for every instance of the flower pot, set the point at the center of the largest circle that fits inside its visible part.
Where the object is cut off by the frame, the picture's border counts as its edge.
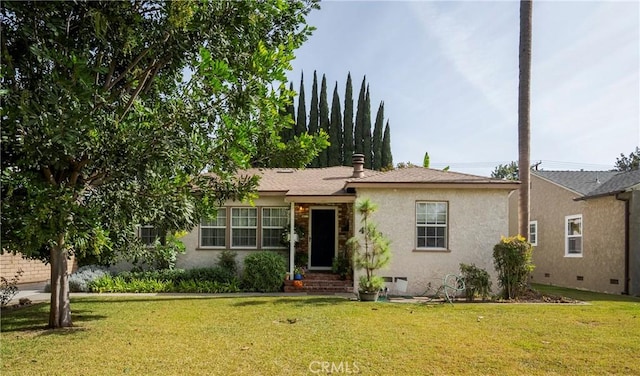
(366, 296)
(297, 276)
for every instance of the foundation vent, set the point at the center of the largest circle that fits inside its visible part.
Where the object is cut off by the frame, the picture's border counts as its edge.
(580, 278)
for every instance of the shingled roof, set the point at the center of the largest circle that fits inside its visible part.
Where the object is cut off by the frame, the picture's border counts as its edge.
(336, 181)
(617, 184)
(581, 182)
(592, 183)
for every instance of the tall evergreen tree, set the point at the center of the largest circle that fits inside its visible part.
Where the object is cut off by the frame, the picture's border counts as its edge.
(324, 120)
(347, 143)
(301, 124)
(366, 132)
(335, 131)
(358, 140)
(313, 113)
(387, 158)
(377, 138)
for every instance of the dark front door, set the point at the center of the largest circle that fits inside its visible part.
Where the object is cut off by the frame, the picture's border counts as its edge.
(323, 238)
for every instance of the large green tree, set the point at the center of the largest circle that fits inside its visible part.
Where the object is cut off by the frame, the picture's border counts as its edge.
(347, 149)
(102, 129)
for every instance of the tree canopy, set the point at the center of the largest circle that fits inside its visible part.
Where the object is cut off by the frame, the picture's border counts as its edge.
(507, 171)
(632, 162)
(112, 110)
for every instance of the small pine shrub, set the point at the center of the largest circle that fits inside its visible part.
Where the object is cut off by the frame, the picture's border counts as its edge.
(264, 272)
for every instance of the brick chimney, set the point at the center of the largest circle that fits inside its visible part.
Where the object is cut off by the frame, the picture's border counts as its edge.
(358, 165)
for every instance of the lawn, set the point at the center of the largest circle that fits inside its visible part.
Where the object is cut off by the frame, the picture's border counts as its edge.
(310, 335)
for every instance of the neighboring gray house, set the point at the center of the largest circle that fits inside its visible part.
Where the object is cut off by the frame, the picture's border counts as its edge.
(585, 228)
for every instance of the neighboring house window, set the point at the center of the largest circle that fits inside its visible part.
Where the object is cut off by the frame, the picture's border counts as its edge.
(431, 222)
(244, 227)
(533, 232)
(212, 231)
(573, 232)
(148, 235)
(274, 221)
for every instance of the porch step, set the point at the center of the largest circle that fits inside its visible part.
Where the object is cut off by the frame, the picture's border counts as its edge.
(321, 283)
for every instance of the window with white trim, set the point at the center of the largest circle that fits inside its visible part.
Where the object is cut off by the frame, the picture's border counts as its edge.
(148, 235)
(244, 227)
(431, 225)
(213, 231)
(573, 235)
(533, 233)
(274, 220)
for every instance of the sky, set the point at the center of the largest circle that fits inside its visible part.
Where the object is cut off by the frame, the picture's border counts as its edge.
(447, 72)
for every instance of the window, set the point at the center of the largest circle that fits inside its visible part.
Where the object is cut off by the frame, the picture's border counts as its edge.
(431, 222)
(244, 227)
(213, 231)
(274, 220)
(573, 232)
(148, 235)
(533, 232)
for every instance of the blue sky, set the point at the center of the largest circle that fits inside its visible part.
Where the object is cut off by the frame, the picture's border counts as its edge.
(447, 72)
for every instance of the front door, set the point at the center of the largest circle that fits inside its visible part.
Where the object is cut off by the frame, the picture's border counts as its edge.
(323, 238)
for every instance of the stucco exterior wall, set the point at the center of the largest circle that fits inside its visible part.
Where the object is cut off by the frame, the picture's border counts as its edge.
(602, 261)
(477, 218)
(196, 257)
(634, 243)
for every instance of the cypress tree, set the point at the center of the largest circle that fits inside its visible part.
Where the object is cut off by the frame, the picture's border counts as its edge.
(377, 138)
(301, 124)
(324, 121)
(347, 148)
(387, 158)
(366, 132)
(313, 113)
(335, 131)
(358, 141)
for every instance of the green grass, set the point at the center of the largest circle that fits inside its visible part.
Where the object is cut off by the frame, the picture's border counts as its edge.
(253, 336)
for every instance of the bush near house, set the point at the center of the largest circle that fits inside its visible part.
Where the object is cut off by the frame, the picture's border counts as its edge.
(264, 272)
(477, 282)
(512, 259)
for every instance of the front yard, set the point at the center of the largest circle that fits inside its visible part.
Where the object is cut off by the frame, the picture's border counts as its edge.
(318, 335)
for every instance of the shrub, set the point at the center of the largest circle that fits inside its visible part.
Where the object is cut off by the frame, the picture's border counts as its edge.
(118, 284)
(9, 288)
(215, 274)
(227, 261)
(477, 282)
(80, 280)
(512, 259)
(264, 272)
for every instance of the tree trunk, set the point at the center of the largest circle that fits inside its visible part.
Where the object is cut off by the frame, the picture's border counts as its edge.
(524, 126)
(60, 308)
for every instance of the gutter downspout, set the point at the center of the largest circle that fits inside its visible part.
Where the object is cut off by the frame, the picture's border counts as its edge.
(292, 242)
(627, 244)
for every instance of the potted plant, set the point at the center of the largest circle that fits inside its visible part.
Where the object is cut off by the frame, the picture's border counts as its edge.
(298, 272)
(371, 252)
